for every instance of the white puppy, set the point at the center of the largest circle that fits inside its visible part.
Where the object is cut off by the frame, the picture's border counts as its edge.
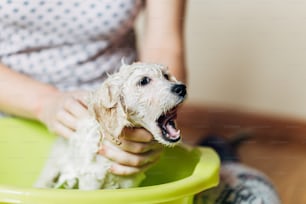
(139, 95)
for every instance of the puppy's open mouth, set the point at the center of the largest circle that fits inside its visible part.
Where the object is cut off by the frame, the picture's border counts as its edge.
(166, 122)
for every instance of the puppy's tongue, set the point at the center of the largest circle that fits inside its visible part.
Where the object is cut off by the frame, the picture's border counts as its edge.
(172, 132)
(167, 124)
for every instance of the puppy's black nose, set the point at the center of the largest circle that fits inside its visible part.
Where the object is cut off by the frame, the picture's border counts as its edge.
(179, 89)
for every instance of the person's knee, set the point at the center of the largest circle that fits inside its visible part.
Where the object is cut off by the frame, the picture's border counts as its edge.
(240, 184)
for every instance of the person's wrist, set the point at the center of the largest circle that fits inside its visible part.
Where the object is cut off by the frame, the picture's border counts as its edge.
(46, 96)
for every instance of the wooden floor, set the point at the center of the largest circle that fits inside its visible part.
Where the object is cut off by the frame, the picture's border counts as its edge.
(277, 145)
(284, 163)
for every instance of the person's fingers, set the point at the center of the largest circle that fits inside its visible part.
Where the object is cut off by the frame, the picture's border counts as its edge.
(138, 147)
(135, 140)
(67, 119)
(62, 112)
(62, 130)
(81, 96)
(136, 134)
(122, 170)
(129, 159)
(74, 107)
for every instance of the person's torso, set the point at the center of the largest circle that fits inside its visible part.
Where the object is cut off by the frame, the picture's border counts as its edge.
(70, 44)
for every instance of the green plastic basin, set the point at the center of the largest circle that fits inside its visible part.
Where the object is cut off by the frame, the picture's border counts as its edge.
(25, 145)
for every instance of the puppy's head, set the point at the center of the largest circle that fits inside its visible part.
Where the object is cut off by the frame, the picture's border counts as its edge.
(140, 95)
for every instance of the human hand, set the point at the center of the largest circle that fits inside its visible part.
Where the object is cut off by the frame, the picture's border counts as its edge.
(135, 152)
(61, 111)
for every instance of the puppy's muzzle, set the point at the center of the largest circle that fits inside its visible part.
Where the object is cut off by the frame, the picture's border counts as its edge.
(179, 90)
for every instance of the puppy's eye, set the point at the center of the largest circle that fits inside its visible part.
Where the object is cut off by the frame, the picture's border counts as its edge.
(144, 81)
(166, 76)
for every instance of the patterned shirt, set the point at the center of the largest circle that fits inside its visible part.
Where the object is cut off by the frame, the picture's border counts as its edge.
(71, 44)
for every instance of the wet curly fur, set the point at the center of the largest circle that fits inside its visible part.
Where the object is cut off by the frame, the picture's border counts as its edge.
(138, 95)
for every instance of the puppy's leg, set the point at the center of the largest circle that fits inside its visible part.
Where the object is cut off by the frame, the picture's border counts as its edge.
(51, 170)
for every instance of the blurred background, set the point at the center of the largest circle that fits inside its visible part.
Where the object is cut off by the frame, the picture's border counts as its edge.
(247, 74)
(249, 55)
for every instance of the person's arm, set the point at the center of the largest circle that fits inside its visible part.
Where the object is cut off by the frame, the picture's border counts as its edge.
(25, 97)
(164, 35)
(164, 44)
(20, 95)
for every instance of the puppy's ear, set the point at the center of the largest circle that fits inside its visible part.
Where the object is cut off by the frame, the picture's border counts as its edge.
(107, 108)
